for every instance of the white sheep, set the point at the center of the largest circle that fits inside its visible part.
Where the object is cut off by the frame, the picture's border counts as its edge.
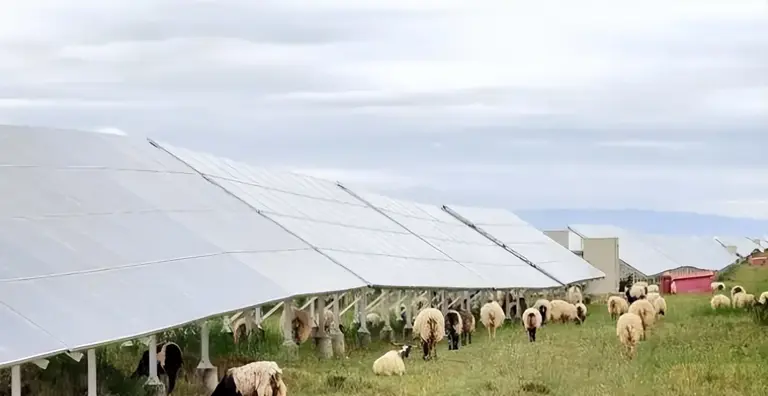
(617, 306)
(545, 308)
(429, 325)
(373, 320)
(581, 312)
(252, 379)
(743, 300)
(564, 311)
(468, 326)
(573, 295)
(531, 322)
(660, 305)
(641, 284)
(652, 296)
(720, 301)
(717, 286)
(763, 298)
(492, 317)
(629, 329)
(646, 312)
(301, 324)
(454, 327)
(391, 363)
(653, 288)
(736, 290)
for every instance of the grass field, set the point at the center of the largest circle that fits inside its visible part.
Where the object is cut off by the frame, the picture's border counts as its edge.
(692, 351)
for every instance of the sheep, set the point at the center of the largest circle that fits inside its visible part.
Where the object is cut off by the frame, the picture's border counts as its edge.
(660, 305)
(169, 361)
(720, 301)
(373, 320)
(241, 322)
(652, 296)
(430, 328)
(531, 322)
(468, 326)
(545, 308)
(673, 287)
(581, 312)
(492, 317)
(564, 312)
(617, 306)
(736, 290)
(743, 300)
(641, 284)
(629, 329)
(645, 311)
(391, 363)
(253, 379)
(573, 295)
(330, 319)
(301, 324)
(454, 328)
(653, 288)
(763, 298)
(636, 292)
(717, 286)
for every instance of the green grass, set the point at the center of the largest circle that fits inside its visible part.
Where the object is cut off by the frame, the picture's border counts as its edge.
(693, 351)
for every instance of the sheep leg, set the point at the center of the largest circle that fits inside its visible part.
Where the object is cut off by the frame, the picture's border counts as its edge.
(425, 348)
(469, 337)
(532, 335)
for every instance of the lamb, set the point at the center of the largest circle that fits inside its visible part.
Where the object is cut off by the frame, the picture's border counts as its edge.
(646, 312)
(492, 317)
(454, 328)
(468, 326)
(253, 379)
(743, 300)
(573, 295)
(581, 312)
(763, 298)
(629, 329)
(660, 305)
(391, 363)
(653, 288)
(720, 301)
(430, 328)
(652, 296)
(301, 324)
(736, 290)
(169, 361)
(564, 312)
(531, 322)
(717, 286)
(617, 306)
(545, 308)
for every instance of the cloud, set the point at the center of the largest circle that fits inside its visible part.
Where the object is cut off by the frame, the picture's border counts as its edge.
(510, 103)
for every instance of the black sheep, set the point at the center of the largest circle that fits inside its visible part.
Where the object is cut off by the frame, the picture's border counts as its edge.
(452, 320)
(169, 361)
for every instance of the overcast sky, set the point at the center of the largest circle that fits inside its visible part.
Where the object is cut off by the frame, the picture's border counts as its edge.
(522, 104)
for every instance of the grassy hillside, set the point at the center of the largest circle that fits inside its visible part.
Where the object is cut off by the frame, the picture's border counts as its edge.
(693, 351)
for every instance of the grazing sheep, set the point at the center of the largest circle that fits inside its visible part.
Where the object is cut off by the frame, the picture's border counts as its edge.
(430, 328)
(736, 290)
(743, 300)
(717, 286)
(241, 323)
(660, 305)
(652, 296)
(492, 317)
(573, 295)
(545, 309)
(617, 306)
(720, 301)
(252, 379)
(391, 363)
(301, 324)
(763, 298)
(531, 321)
(454, 328)
(373, 320)
(581, 312)
(629, 329)
(169, 361)
(468, 326)
(645, 311)
(653, 288)
(564, 312)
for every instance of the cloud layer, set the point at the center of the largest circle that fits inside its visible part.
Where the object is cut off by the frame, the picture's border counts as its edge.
(659, 105)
